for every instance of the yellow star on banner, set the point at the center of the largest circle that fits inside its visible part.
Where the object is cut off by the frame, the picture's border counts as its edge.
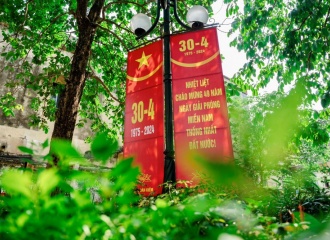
(143, 60)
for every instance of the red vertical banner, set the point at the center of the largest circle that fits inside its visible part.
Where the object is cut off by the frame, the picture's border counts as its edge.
(201, 123)
(144, 125)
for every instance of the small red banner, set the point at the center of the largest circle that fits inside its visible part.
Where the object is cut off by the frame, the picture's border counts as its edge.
(199, 102)
(195, 54)
(144, 125)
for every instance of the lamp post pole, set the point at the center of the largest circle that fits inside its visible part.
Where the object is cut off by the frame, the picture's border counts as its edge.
(143, 29)
(169, 166)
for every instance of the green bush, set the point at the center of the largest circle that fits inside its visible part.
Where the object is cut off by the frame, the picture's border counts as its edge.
(58, 203)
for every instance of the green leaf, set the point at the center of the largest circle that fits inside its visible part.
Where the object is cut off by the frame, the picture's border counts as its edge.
(48, 180)
(15, 182)
(64, 149)
(122, 167)
(26, 150)
(45, 144)
(103, 147)
(325, 100)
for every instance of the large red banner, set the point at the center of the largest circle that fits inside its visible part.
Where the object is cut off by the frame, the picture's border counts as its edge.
(199, 103)
(144, 125)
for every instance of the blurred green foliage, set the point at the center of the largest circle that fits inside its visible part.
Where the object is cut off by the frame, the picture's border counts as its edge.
(229, 203)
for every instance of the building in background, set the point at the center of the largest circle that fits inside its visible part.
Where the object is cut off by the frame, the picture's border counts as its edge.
(15, 130)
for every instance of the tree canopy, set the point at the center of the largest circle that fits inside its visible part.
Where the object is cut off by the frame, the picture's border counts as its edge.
(284, 40)
(81, 48)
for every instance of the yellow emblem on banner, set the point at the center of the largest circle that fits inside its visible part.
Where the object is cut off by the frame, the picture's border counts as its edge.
(197, 64)
(138, 79)
(145, 178)
(143, 60)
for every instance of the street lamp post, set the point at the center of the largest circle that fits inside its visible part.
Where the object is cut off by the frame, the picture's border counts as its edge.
(197, 17)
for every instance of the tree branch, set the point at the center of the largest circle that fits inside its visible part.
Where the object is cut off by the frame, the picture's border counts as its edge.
(96, 9)
(95, 77)
(26, 12)
(98, 79)
(81, 13)
(302, 23)
(125, 2)
(118, 25)
(326, 18)
(109, 31)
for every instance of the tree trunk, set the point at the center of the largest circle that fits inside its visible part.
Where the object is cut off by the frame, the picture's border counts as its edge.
(67, 111)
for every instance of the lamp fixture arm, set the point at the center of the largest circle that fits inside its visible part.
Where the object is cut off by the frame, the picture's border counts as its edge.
(154, 24)
(175, 7)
